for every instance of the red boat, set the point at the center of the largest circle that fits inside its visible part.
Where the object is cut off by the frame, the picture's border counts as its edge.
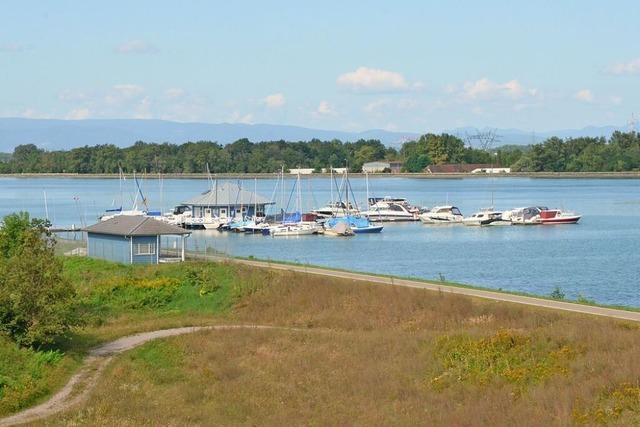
(557, 216)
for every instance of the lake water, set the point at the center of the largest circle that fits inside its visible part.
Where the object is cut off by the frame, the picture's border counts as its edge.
(599, 258)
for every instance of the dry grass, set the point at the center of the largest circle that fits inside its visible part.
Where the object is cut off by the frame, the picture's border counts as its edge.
(368, 355)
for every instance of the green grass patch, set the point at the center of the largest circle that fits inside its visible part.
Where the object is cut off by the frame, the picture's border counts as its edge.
(27, 375)
(506, 356)
(161, 361)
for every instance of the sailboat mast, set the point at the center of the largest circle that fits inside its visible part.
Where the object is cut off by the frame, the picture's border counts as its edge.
(366, 179)
(331, 185)
(46, 208)
(282, 191)
(255, 197)
(346, 187)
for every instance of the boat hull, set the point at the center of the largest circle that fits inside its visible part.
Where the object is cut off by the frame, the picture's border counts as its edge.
(368, 230)
(561, 220)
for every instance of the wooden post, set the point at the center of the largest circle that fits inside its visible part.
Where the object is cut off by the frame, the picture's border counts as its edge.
(183, 239)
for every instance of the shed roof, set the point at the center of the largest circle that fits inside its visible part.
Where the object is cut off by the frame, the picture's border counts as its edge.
(225, 194)
(134, 225)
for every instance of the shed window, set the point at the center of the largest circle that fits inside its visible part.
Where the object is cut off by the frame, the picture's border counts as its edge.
(145, 249)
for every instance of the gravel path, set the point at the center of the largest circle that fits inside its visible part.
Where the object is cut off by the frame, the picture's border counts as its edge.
(82, 383)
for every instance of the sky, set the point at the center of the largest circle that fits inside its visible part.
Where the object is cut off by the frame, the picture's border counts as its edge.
(404, 65)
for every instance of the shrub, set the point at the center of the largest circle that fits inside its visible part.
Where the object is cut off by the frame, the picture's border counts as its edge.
(505, 356)
(557, 293)
(37, 304)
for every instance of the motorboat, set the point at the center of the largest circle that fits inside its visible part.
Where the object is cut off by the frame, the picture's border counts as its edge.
(442, 215)
(294, 229)
(335, 209)
(558, 216)
(484, 217)
(524, 216)
(358, 224)
(391, 209)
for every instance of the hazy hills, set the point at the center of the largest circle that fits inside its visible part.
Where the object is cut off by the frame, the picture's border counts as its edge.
(65, 134)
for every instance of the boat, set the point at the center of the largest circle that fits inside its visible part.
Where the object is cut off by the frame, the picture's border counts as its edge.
(442, 215)
(134, 211)
(340, 228)
(558, 216)
(334, 209)
(358, 224)
(484, 217)
(524, 216)
(293, 229)
(389, 209)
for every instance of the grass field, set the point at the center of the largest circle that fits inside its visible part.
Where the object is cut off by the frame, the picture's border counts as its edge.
(362, 355)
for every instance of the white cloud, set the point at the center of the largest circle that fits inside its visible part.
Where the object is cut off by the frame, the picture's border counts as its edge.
(174, 93)
(375, 106)
(30, 113)
(275, 100)
(135, 47)
(237, 117)
(143, 109)
(486, 89)
(123, 93)
(366, 79)
(615, 99)
(324, 109)
(128, 90)
(78, 114)
(584, 95)
(72, 96)
(631, 67)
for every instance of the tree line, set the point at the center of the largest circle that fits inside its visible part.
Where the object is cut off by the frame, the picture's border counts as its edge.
(620, 152)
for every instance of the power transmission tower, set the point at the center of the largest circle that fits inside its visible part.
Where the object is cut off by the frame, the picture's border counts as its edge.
(485, 139)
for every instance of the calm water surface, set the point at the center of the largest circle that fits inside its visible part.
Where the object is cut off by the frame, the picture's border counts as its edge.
(598, 258)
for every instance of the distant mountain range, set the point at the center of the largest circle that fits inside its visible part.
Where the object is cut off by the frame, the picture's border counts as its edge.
(65, 134)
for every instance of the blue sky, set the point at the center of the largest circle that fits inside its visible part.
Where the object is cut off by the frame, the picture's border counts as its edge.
(412, 66)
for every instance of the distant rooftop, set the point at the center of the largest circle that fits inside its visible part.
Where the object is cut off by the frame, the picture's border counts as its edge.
(227, 194)
(130, 225)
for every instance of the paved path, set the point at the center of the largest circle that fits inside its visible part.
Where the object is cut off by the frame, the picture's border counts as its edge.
(479, 293)
(82, 383)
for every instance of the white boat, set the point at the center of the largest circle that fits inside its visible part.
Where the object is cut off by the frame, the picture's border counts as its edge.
(524, 216)
(442, 215)
(335, 209)
(295, 229)
(484, 217)
(391, 209)
(340, 229)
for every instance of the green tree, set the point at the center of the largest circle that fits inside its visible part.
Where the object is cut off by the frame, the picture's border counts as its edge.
(37, 304)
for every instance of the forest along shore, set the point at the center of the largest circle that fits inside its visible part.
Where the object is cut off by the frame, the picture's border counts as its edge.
(542, 175)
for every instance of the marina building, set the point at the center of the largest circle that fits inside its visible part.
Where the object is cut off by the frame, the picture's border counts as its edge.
(226, 200)
(133, 239)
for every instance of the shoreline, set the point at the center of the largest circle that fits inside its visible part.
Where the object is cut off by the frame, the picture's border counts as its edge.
(530, 175)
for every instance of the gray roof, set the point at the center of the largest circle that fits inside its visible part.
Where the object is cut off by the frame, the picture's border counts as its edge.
(134, 225)
(228, 193)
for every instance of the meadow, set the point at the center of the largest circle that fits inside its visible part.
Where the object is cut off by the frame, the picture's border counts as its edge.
(358, 354)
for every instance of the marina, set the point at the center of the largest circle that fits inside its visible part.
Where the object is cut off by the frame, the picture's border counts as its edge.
(596, 258)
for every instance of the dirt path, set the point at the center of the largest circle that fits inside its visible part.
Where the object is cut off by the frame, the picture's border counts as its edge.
(83, 382)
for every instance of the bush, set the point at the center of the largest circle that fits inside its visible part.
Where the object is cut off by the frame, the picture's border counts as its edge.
(557, 293)
(37, 304)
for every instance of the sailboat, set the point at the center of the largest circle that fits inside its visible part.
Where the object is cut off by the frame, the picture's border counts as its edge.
(134, 211)
(293, 224)
(354, 221)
